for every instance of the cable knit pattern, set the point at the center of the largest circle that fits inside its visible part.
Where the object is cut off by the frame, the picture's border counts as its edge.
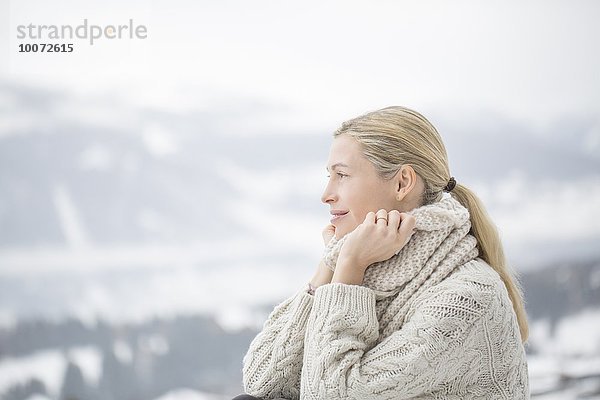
(433, 322)
(273, 361)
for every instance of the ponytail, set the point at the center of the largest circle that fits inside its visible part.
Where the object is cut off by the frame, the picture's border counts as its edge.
(491, 251)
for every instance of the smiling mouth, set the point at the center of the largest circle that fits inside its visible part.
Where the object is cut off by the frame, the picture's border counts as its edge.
(337, 217)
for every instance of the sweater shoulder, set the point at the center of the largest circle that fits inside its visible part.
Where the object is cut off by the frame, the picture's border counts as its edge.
(467, 293)
(475, 277)
(476, 270)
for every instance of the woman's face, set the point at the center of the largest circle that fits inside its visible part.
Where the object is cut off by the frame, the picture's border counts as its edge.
(354, 187)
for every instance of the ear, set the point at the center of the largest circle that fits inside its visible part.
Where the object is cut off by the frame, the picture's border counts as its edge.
(405, 180)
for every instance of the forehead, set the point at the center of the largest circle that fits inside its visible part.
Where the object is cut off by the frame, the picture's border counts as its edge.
(345, 151)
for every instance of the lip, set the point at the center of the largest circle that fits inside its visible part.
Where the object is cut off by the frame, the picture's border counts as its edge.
(337, 215)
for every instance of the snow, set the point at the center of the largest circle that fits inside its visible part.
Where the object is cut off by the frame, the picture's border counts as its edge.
(579, 335)
(566, 365)
(188, 394)
(89, 360)
(47, 366)
(38, 396)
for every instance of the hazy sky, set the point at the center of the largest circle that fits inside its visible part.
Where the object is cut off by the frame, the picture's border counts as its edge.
(320, 62)
(503, 68)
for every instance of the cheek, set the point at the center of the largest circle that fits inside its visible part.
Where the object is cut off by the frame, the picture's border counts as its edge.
(361, 206)
(371, 201)
(357, 216)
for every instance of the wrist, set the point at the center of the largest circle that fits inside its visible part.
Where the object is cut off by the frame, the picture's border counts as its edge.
(348, 261)
(322, 276)
(310, 289)
(349, 271)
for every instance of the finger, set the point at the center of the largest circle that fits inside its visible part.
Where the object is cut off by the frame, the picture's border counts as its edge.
(370, 218)
(329, 228)
(394, 219)
(407, 225)
(328, 233)
(381, 218)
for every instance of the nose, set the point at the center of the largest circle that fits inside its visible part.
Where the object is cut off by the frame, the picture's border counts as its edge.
(329, 194)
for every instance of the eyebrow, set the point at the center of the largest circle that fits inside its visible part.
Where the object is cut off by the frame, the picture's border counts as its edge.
(334, 166)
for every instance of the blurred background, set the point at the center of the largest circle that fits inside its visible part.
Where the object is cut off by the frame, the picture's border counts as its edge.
(159, 196)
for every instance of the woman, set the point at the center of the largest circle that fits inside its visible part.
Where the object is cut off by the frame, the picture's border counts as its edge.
(413, 297)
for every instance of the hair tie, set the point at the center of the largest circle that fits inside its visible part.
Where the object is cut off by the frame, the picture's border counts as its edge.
(451, 184)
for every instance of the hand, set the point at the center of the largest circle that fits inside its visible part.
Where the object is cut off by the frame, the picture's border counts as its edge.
(378, 238)
(328, 233)
(323, 274)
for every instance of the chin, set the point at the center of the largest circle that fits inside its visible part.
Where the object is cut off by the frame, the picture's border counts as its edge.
(341, 232)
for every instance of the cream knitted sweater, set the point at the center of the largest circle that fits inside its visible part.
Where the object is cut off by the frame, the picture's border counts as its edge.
(457, 339)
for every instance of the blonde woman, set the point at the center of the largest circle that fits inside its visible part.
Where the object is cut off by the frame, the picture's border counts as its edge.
(413, 298)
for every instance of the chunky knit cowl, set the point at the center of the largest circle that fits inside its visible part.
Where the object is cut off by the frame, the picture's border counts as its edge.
(440, 243)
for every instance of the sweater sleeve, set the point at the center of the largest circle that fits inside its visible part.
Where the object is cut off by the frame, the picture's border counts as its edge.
(273, 363)
(342, 359)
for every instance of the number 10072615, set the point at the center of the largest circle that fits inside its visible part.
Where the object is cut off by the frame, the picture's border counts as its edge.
(45, 48)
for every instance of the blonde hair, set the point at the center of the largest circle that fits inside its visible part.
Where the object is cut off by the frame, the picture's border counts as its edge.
(396, 136)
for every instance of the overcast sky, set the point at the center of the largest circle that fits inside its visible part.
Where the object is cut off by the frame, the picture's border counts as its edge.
(320, 62)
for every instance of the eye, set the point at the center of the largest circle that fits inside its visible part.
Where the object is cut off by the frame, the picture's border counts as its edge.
(339, 174)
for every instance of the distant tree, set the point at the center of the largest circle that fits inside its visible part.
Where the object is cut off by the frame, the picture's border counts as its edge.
(25, 390)
(118, 380)
(74, 386)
